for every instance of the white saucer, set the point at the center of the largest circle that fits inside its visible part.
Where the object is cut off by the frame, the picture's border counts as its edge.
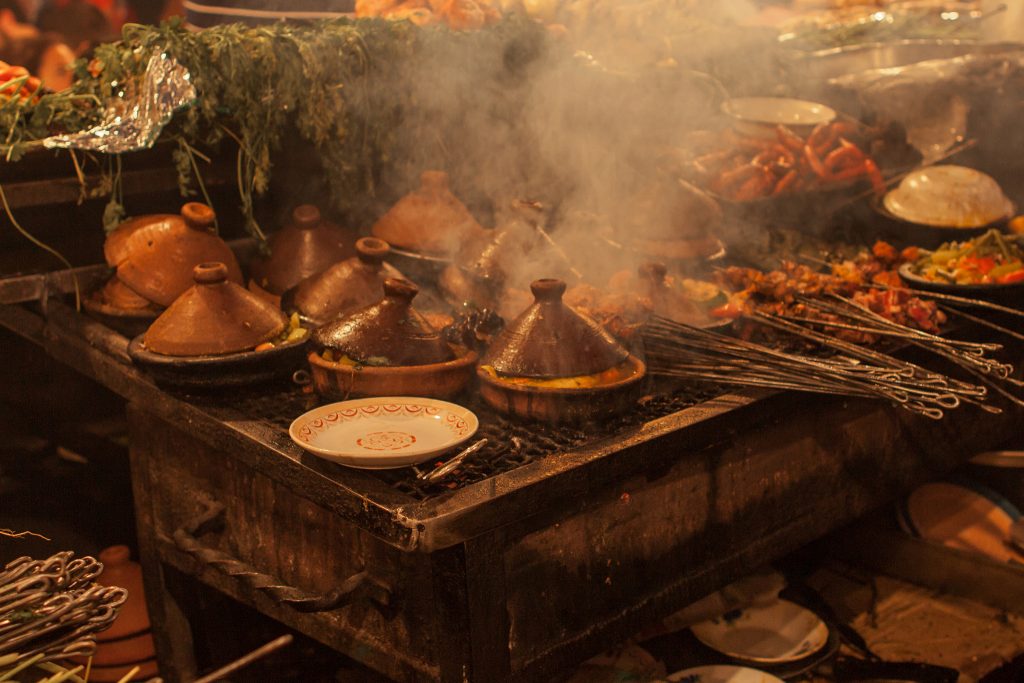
(385, 432)
(778, 110)
(722, 674)
(777, 633)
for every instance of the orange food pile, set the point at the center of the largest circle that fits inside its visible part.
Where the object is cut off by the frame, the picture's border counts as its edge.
(16, 81)
(457, 14)
(752, 167)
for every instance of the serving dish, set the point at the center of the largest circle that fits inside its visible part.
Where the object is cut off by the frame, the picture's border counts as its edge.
(760, 115)
(1009, 294)
(387, 348)
(991, 249)
(781, 632)
(224, 370)
(948, 196)
(384, 432)
(964, 515)
(722, 673)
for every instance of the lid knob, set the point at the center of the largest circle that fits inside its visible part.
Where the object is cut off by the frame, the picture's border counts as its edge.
(372, 250)
(306, 216)
(548, 289)
(198, 216)
(210, 273)
(397, 288)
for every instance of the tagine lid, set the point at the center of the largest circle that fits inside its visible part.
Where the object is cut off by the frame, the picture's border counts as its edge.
(429, 219)
(155, 255)
(351, 284)
(390, 332)
(213, 317)
(307, 245)
(550, 340)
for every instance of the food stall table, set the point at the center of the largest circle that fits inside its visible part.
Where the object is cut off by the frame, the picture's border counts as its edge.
(515, 576)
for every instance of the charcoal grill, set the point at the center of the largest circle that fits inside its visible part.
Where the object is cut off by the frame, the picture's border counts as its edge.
(549, 547)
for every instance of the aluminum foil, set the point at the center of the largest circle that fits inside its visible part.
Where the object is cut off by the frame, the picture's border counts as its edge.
(134, 120)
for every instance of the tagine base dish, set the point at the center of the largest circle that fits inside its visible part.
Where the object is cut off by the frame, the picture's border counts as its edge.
(904, 232)
(721, 673)
(556, 406)
(227, 370)
(1011, 294)
(385, 432)
(434, 380)
(129, 322)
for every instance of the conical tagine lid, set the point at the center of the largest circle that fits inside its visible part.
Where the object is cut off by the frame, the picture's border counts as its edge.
(155, 255)
(550, 340)
(213, 317)
(430, 219)
(344, 287)
(389, 332)
(306, 246)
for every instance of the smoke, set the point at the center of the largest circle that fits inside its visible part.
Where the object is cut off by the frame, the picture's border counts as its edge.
(518, 112)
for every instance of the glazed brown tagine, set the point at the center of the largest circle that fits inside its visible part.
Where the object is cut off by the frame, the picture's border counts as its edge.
(344, 287)
(306, 246)
(387, 349)
(554, 364)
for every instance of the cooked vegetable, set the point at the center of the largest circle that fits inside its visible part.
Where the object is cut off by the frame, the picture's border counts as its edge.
(992, 258)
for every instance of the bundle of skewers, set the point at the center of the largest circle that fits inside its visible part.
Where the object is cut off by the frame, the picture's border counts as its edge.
(805, 330)
(51, 610)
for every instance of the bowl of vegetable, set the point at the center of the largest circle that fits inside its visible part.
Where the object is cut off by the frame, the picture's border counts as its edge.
(990, 266)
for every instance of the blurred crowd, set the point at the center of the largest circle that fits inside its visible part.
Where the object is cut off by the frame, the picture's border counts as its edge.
(47, 36)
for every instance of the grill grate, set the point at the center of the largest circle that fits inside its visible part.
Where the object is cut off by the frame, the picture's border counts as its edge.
(511, 444)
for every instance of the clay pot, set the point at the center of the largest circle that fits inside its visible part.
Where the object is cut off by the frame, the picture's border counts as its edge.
(434, 380)
(128, 642)
(550, 340)
(666, 301)
(429, 220)
(565, 406)
(344, 287)
(388, 333)
(215, 316)
(306, 246)
(155, 255)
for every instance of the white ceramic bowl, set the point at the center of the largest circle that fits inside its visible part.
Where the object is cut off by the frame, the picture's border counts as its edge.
(949, 196)
(722, 674)
(385, 432)
(776, 633)
(773, 111)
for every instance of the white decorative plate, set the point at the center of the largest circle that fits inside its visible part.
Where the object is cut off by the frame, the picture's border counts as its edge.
(722, 674)
(778, 110)
(776, 633)
(385, 432)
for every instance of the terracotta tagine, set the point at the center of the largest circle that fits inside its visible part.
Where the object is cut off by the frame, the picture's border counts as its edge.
(118, 307)
(308, 245)
(554, 364)
(155, 255)
(429, 220)
(388, 348)
(344, 287)
(215, 316)
(129, 641)
(667, 301)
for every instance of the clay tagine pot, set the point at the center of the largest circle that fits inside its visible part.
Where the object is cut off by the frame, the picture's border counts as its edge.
(129, 641)
(155, 255)
(667, 301)
(121, 309)
(213, 317)
(344, 287)
(308, 245)
(556, 365)
(550, 339)
(387, 348)
(429, 220)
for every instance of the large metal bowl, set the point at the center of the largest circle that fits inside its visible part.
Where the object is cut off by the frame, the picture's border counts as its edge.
(820, 66)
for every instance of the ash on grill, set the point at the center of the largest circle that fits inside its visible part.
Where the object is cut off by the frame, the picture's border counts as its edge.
(511, 444)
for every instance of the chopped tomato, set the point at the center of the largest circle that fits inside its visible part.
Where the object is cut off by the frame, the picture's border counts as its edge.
(884, 251)
(1011, 278)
